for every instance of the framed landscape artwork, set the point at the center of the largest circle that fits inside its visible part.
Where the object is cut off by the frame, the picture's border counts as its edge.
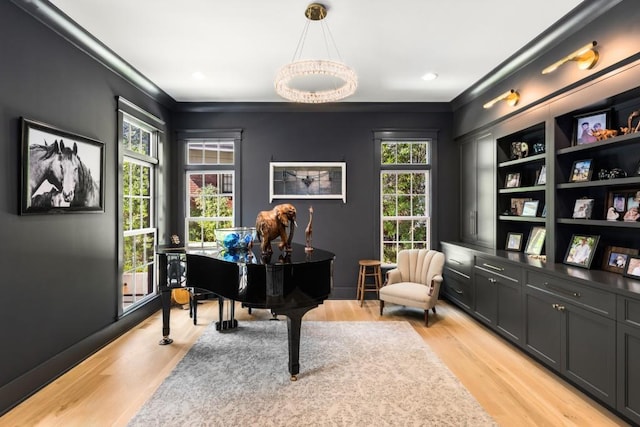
(581, 171)
(308, 180)
(61, 172)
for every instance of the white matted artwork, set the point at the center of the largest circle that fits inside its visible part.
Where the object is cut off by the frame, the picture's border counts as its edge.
(308, 180)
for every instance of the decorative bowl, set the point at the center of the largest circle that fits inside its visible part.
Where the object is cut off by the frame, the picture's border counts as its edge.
(235, 239)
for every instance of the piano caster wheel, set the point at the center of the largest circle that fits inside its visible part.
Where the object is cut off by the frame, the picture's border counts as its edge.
(165, 341)
(294, 378)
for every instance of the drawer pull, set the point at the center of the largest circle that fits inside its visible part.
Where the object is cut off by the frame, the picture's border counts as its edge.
(493, 267)
(562, 291)
(492, 280)
(558, 307)
(457, 291)
(455, 261)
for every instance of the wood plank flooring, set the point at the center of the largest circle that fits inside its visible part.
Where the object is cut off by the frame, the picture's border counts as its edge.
(108, 388)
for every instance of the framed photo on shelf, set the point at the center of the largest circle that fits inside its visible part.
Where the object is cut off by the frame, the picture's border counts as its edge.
(582, 248)
(535, 243)
(586, 124)
(62, 172)
(513, 180)
(632, 268)
(514, 242)
(530, 208)
(517, 205)
(581, 171)
(544, 212)
(615, 259)
(542, 176)
(583, 209)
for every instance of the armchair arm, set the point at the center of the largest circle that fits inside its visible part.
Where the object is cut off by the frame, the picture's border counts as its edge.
(393, 276)
(435, 284)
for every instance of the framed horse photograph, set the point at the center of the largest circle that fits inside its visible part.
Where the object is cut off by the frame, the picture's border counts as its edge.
(62, 172)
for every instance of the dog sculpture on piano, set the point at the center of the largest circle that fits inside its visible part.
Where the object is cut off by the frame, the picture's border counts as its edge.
(273, 224)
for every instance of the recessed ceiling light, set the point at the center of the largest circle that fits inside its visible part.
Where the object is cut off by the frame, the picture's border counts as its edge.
(430, 76)
(197, 75)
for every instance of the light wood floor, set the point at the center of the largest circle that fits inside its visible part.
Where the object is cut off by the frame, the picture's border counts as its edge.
(109, 388)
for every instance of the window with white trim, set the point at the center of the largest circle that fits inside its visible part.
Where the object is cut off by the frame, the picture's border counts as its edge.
(405, 192)
(138, 204)
(210, 189)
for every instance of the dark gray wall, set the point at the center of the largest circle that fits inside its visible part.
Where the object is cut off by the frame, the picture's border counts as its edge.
(59, 272)
(290, 133)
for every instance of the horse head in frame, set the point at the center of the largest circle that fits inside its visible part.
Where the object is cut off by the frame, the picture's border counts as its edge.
(76, 184)
(44, 165)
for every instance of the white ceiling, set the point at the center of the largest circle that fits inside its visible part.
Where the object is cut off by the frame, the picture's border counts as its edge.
(239, 45)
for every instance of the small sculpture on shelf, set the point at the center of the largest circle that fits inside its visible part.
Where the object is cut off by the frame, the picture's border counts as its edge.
(612, 215)
(602, 134)
(273, 224)
(629, 128)
(308, 232)
(519, 150)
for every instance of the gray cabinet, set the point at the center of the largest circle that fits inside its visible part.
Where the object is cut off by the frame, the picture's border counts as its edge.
(498, 296)
(477, 200)
(628, 365)
(571, 328)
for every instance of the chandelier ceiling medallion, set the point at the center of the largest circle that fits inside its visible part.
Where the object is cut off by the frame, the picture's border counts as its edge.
(315, 81)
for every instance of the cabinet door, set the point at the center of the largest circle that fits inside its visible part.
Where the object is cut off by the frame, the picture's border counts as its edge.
(509, 310)
(543, 334)
(629, 372)
(477, 202)
(590, 352)
(486, 204)
(486, 303)
(468, 196)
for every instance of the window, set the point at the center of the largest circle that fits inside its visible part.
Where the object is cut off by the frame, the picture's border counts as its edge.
(405, 194)
(210, 188)
(138, 148)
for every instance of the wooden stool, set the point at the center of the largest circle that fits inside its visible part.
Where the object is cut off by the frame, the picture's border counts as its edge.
(368, 268)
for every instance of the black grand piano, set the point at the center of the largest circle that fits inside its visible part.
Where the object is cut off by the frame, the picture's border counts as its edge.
(288, 284)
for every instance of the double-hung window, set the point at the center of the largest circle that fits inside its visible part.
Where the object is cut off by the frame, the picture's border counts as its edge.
(139, 142)
(210, 188)
(405, 192)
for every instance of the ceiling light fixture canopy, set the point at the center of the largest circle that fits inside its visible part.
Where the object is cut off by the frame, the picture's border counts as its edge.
(586, 57)
(511, 97)
(343, 77)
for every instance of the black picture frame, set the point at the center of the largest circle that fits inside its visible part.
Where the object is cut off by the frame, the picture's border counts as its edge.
(535, 242)
(578, 254)
(581, 170)
(514, 242)
(530, 208)
(512, 180)
(61, 172)
(632, 268)
(585, 124)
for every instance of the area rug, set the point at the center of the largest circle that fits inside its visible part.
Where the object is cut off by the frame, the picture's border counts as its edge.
(351, 374)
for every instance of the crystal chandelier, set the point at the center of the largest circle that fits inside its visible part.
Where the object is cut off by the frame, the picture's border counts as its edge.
(299, 69)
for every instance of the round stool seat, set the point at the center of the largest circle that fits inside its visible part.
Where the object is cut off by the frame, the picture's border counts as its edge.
(368, 268)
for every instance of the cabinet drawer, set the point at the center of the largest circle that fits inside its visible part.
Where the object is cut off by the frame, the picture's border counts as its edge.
(458, 260)
(595, 299)
(458, 290)
(497, 266)
(629, 311)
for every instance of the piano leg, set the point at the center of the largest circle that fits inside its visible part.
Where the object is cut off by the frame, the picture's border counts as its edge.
(165, 298)
(294, 321)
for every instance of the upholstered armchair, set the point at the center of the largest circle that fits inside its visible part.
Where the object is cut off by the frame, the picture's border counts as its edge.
(415, 282)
